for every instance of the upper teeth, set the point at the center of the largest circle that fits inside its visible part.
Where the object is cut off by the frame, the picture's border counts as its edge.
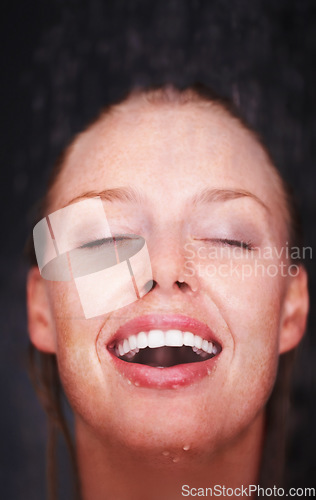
(160, 338)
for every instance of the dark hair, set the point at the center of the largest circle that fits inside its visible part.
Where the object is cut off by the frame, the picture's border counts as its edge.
(43, 367)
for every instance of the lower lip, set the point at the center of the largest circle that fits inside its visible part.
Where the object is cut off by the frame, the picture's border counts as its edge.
(173, 377)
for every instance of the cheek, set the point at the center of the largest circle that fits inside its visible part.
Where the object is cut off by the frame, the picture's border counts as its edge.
(248, 294)
(64, 301)
(79, 367)
(91, 388)
(78, 363)
(251, 309)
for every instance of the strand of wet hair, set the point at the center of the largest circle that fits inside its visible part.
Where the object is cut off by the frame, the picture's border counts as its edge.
(43, 372)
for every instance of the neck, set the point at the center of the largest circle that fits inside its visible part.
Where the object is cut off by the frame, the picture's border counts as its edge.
(113, 472)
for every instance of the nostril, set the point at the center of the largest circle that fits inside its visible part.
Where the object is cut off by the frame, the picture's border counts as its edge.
(182, 285)
(153, 284)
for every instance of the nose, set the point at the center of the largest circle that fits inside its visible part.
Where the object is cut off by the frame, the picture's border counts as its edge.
(167, 259)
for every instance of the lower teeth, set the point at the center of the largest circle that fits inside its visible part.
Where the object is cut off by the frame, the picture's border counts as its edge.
(163, 357)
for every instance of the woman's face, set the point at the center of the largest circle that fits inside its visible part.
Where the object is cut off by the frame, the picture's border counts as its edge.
(204, 188)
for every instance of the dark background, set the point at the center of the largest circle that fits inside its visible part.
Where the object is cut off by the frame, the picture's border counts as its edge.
(61, 62)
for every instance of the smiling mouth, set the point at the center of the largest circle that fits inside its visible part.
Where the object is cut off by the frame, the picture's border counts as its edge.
(162, 349)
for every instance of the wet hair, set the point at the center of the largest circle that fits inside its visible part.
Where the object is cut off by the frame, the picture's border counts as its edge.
(43, 367)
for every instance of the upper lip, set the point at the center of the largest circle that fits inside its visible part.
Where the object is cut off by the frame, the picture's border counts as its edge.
(163, 322)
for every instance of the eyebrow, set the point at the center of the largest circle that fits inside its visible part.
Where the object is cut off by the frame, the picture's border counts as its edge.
(115, 194)
(216, 194)
(128, 194)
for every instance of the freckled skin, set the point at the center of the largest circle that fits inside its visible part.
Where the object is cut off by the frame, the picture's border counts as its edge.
(169, 152)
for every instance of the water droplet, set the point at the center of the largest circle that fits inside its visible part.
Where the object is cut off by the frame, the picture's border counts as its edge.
(166, 453)
(176, 459)
(186, 447)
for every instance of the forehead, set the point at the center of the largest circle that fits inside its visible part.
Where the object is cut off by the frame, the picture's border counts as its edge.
(167, 149)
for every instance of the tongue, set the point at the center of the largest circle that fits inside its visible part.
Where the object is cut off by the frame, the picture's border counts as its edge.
(166, 356)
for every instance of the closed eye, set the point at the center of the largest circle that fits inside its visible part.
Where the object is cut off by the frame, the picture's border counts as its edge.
(97, 243)
(247, 245)
(105, 241)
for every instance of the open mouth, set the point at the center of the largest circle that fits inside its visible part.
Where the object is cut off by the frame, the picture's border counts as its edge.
(163, 349)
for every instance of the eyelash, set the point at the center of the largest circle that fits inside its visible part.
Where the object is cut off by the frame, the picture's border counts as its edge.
(246, 245)
(103, 241)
